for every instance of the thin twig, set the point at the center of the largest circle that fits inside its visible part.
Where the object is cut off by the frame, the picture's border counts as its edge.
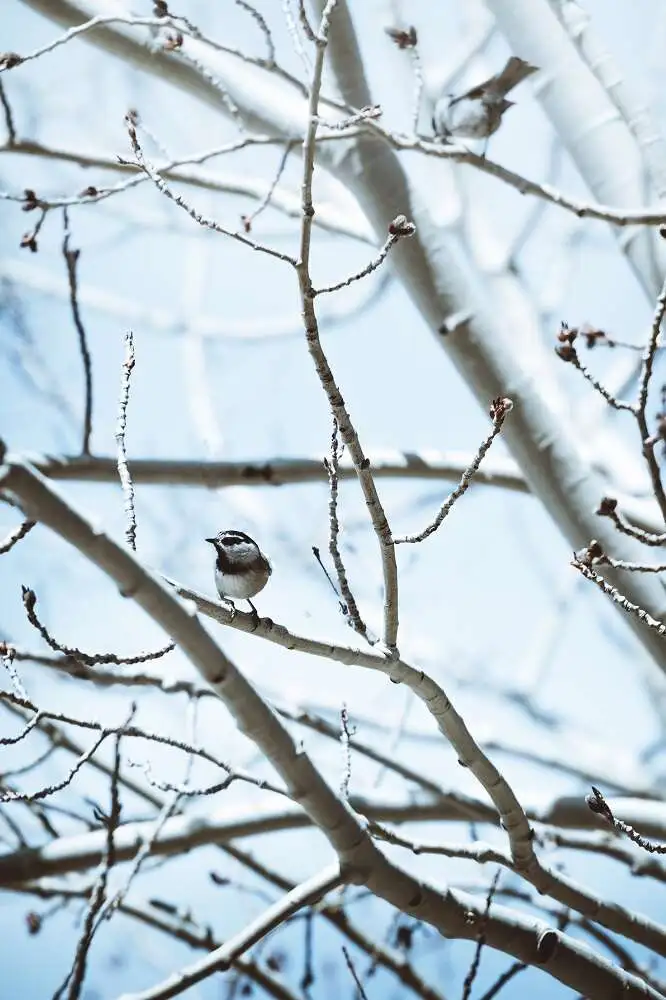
(57, 786)
(345, 738)
(16, 535)
(502, 980)
(418, 87)
(326, 377)
(641, 402)
(134, 732)
(350, 965)
(7, 657)
(71, 260)
(499, 410)
(632, 609)
(123, 469)
(307, 979)
(30, 603)
(598, 804)
(98, 895)
(29, 239)
(265, 30)
(347, 600)
(303, 895)
(481, 939)
(608, 508)
(398, 229)
(162, 186)
(305, 22)
(569, 354)
(9, 119)
(248, 220)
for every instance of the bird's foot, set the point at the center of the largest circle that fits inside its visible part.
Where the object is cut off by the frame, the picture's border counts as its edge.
(255, 615)
(231, 606)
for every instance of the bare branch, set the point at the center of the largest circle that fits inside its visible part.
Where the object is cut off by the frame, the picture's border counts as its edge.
(162, 186)
(248, 220)
(421, 465)
(123, 469)
(498, 412)
(348, 603)
(350, 965)
(71, 260)
(345, 738)
(399, 229)
(9, 118)
(641, 402)
(323, 369)
(329, 216)
(608, 508)
(305, 22)
(7, 657)
(30, 603)
(15, 536)
(598, 804)
(618, 598)
(74, 980)
(480, 941)
(568, 353)
(303, 895)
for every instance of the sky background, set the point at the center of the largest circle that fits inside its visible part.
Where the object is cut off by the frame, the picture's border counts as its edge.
(489, 605)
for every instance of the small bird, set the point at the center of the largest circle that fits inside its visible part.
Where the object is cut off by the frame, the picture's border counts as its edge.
(241, 568)
(477, 113)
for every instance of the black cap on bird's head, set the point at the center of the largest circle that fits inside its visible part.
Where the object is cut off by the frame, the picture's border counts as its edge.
(230, 538)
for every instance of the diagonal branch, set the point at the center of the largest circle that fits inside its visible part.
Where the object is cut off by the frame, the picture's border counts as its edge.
(222, 958)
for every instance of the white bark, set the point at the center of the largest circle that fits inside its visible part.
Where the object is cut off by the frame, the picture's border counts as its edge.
(585, 119)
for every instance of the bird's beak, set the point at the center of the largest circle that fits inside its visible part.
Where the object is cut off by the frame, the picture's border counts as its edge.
(211, 540)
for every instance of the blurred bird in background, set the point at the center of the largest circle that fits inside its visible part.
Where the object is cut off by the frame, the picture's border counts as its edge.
(477, 113)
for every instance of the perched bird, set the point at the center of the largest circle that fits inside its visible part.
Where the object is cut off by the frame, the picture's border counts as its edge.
(241, 568)
(477, 113)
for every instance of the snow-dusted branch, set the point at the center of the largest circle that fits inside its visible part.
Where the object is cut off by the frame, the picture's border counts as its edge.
(121, 427)
(277, 471)
(15, 536)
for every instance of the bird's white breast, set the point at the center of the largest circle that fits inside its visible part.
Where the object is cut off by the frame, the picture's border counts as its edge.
(241, 585)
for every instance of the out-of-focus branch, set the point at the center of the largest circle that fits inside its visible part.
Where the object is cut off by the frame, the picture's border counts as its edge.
(330, 217)
(309, 892)
(71, 261)
(607, 157)
(426, 465)
(15, 536)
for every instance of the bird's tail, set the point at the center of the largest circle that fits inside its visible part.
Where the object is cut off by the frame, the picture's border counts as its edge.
(515, 71)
